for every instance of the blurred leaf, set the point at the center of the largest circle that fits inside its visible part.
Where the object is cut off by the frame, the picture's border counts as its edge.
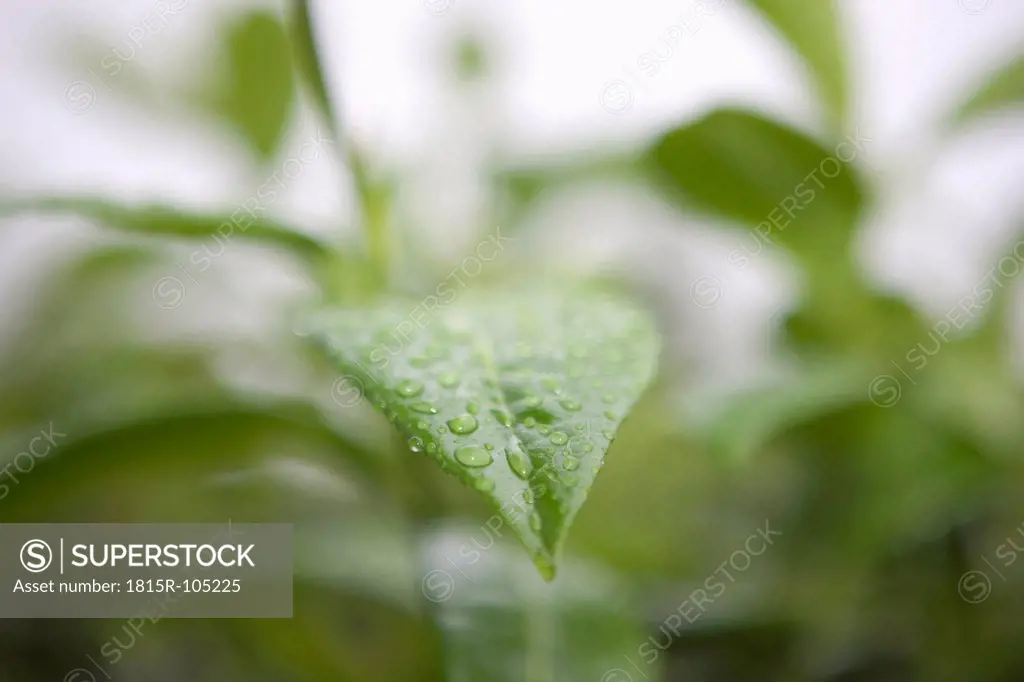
(470, 62)
(255, 90)
(747, 422)
(519, 189)
(142, 465)
(167, 221)
(812, 27)
(517, 398)
(309, 62)
(1003, 89)
(741, 166)
(502, 624)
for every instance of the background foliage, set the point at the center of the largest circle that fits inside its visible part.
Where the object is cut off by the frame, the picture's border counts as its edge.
(883, 447)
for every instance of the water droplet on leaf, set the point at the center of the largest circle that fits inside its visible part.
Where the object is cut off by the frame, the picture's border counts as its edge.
(423, 407)
(473, 456)
(519, 464)
(464, 424)
(409, 388)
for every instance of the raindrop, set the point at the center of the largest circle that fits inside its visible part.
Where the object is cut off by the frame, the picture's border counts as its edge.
(504, 418)
(608, 398)
(570, 405)
(409, 388)
(448, 380)
(559, 438)
(518, 463)
(464, 424)
(484, 485)
(473, 408)
(473, 456)
(423, 407)
(533, 401)
(535, 522)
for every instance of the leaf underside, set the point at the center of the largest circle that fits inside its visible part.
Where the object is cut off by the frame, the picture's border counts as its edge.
(520, 399)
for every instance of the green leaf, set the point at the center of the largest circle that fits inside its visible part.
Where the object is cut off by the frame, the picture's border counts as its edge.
(743, 167)
(159, 220)
(151, 461)
(1003, 89)
(255, 92)
(812, 28)
(518, 398)
(500, 623)
(308, 59)
(748, 421)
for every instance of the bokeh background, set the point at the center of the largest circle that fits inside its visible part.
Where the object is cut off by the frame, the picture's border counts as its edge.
(843, 380)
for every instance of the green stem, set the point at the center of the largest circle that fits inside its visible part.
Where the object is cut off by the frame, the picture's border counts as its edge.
(373, 197)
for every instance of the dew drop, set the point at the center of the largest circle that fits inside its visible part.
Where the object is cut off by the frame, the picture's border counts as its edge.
(570, 479)
(431, 447)
(528, 496)
(588, 447)
(544, 429)
(570, 405)
(409, 388)
(610, 415)
(535, 522)
(533, 401)
(529, 422)
(504, 418)
(518, 463)
(416, 444)
(550, 384)
(423, 407)
(484, 485)
(422, 425)
(448, 380)
(608, 398)
(464, 424)
(488, 446)
(473, 408)
(571, 464)
(559, 438)
(473, 456)
(608, 434)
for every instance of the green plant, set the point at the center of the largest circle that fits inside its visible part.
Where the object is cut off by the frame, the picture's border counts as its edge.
(881, 490)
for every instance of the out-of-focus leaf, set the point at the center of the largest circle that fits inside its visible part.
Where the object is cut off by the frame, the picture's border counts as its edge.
(1004, 88)
(308, 58)
(499, 622)
(742, 166)
(747, 422)
(812, 28)
(254, 92)
(166, 221)
(368, 556)
(519, 189)
(148, 463)
(517, 397)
